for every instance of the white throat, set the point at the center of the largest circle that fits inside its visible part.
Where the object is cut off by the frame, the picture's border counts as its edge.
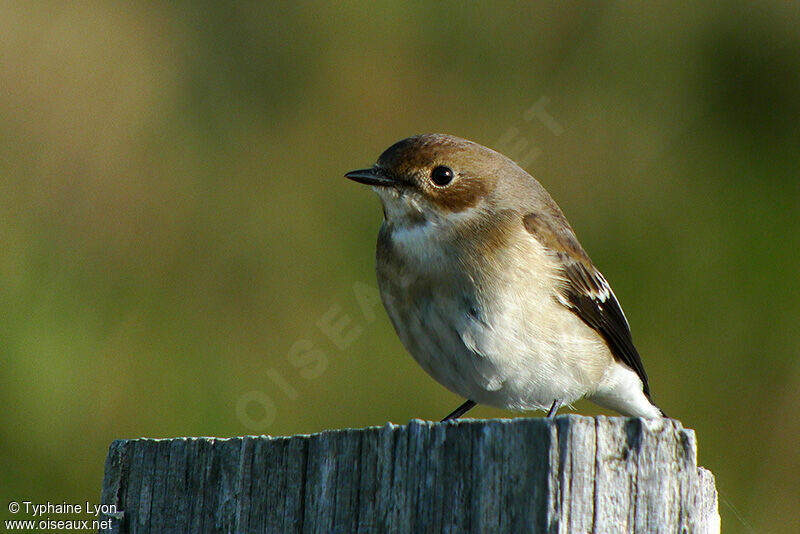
(419, 231)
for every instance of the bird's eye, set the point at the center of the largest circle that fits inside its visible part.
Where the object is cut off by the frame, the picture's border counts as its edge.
(442, 176)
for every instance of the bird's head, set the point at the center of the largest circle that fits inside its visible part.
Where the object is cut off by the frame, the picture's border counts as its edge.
(431, 177)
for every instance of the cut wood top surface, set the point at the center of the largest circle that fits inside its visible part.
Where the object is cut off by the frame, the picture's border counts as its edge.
(569, 474)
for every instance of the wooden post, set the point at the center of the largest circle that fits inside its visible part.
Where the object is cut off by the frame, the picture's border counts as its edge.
(570, 474)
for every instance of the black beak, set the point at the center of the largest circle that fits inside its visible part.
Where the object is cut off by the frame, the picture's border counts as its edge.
(373, 176)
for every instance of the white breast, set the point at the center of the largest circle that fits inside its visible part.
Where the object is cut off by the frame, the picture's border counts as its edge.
(493, 332)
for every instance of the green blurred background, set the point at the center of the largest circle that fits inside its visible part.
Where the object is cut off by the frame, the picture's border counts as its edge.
(175, 225)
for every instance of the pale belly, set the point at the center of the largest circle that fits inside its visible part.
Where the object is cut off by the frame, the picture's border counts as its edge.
(510, 345)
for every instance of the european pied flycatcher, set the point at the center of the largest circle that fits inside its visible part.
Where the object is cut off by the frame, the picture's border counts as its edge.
(488, 287)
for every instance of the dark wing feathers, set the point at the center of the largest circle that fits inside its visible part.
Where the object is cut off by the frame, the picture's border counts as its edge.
(585, 291)
(591, 298)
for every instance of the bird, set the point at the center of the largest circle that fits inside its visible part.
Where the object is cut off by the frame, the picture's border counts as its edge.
(488, 288)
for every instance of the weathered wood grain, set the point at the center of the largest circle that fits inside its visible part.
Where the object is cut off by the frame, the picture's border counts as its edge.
(570, 474)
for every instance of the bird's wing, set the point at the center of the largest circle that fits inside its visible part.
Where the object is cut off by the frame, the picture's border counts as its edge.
(584, 290)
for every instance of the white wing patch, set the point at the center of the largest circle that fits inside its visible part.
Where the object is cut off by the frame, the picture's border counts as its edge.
(606, 292)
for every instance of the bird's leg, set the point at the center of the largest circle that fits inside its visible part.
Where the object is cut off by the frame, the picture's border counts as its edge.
(461, 410)
(554, 409)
